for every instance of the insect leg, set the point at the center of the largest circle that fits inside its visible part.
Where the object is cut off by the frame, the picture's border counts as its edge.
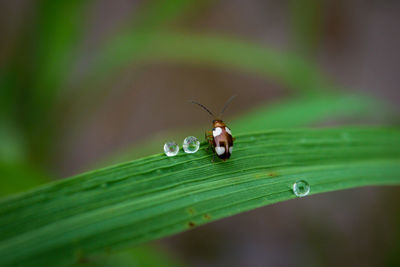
(210, 139)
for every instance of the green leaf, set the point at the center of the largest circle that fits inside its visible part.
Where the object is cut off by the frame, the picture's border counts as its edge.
(153, 197)
(227, 53)
(159, 13)
(19, 177)
(59, 30)
(38, 69)
(306, 24)
(305, 111)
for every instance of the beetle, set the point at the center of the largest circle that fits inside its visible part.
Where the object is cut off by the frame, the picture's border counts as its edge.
(220, 139)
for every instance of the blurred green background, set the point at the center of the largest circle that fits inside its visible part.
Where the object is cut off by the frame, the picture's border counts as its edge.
(87, 83)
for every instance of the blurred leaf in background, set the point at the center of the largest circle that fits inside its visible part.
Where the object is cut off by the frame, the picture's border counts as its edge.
(32, 77)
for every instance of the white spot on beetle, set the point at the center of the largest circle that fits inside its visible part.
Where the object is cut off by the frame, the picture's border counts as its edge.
(230, 150)
(217, 131)
(220, 150)
(228, 130)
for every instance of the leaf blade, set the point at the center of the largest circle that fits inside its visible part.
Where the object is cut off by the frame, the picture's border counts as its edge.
(157, 196)
(225, 52)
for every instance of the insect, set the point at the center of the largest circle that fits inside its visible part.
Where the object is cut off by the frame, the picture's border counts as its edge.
(220, 138)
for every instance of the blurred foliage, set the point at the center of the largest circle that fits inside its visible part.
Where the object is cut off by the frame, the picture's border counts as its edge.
(31, 81)
(306, 25)
(214, 51)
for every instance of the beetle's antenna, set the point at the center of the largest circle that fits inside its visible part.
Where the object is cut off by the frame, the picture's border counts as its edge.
(226, 105)
(206, 109)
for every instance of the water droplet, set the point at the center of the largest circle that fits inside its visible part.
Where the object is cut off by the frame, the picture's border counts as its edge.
(301, 188)
(191, 144)
(171, 149)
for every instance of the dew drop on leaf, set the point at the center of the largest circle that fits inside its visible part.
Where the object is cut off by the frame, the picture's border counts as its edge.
(171, 149)
(301, 188)
(191, 144)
